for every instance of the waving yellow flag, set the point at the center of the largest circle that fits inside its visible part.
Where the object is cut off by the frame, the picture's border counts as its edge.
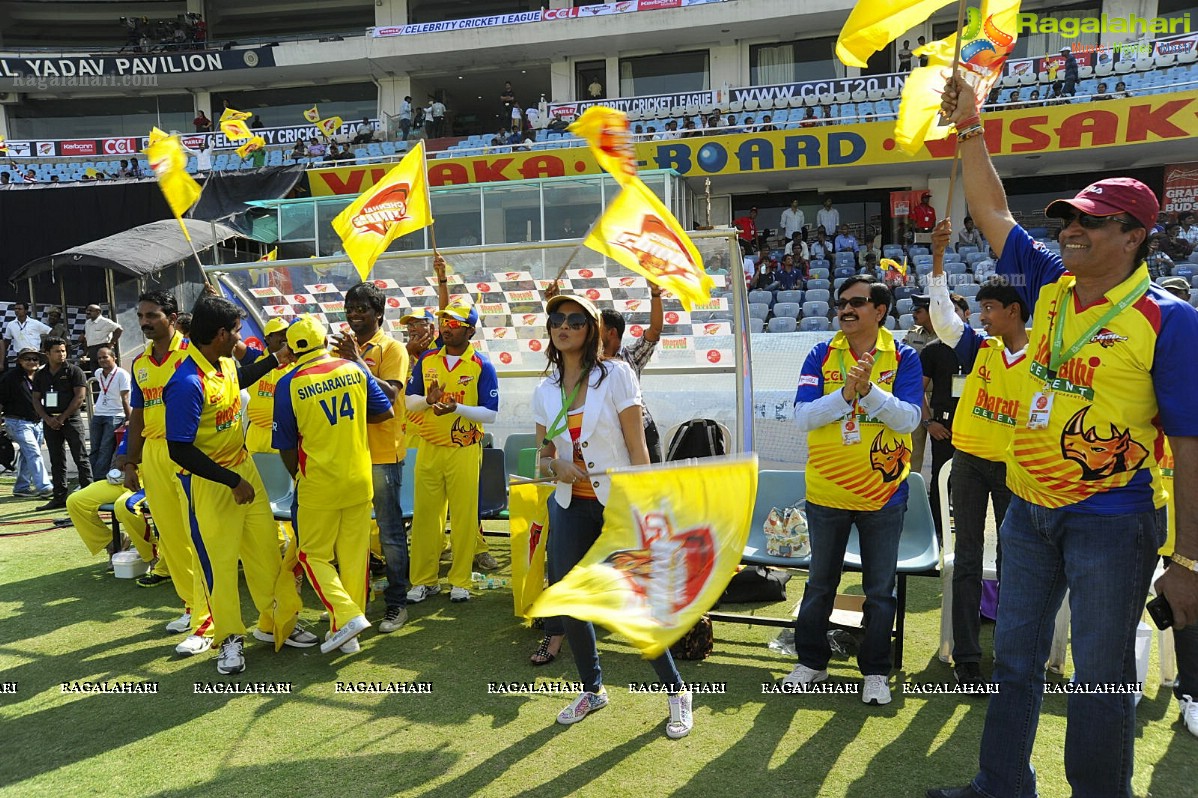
(987, 40)
(235, 129)
(671, 541)
(169, 162)
(606, 131)
(394, 206)
(312, 115)
(330, 126)
(873, 24)
(253, 145)
(529, 527)
(229, 115)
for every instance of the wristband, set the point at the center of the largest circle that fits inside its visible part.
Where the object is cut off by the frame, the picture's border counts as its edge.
(970, 122)
(1184, 562)
(970, 133)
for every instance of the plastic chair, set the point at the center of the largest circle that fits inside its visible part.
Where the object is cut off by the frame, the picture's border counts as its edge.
(779, 489)
(815, 324)
(782, 324)
(790, 296)
(818, 283)
(513, 446)
(787, 310)
(759, 310)
(814, 308)
(492, 486)
(761, 297)
(280, 489)
(818, 295)
(407, 489)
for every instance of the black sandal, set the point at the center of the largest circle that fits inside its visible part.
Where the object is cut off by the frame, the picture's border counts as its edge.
(542, 656)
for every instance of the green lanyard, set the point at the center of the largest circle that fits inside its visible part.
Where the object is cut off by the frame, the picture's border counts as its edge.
(561, 424)
(1056, 356)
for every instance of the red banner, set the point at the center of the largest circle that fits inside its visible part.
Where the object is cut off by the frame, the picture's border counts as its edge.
(1181, 187)
(901, 202)
(77, 147)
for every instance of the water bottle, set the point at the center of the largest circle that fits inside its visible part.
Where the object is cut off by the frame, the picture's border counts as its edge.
(478, 581)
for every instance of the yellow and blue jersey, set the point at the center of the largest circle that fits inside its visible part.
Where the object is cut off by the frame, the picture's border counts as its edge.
(203, 404)
(149, 380)
(872, 474)
(984, 423)
(261, 408)
(1113, 402)
(320, 411)
(470, 381)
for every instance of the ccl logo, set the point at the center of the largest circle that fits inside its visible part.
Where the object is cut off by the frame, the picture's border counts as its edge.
(120, 146)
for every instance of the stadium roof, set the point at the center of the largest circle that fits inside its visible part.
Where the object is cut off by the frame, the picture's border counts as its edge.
(136, 252)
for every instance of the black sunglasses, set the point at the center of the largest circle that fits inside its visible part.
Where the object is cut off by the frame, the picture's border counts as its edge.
(855, 302)
(1091, 222)
(575, 321)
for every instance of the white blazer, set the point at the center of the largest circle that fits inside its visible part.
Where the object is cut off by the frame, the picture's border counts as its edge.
(602, 437)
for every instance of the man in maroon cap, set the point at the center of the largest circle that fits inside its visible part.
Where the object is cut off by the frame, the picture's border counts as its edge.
(1109, 378)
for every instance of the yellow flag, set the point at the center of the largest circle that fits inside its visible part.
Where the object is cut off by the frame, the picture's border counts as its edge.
(330, 126)
(230, 115)
(3, 146)
(671, 541)
(253, 145)
(987, 40)
(235, 129)
(272, 255)
(529, 521)
(169, 162)
(873, 24)
(287, 603)
(394, 206)
(606, 131)
(638, 231)
(889, 264)
(312, 115)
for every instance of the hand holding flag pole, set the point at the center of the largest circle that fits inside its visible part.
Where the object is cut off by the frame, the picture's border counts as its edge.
(952, 175)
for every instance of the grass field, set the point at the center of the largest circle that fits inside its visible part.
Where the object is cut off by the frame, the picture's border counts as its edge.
(64, 619)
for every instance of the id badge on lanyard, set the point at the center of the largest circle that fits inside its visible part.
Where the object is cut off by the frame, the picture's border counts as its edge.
(1041, 409)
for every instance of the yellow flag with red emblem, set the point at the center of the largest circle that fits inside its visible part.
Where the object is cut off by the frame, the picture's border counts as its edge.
(235, 129)
(669, 547)
(312, 115)
(638, 231)
(330, 126)
(235, 116)
(528, 513)
(169, 161)
(253, 145)
(606, 132)
(394, 206)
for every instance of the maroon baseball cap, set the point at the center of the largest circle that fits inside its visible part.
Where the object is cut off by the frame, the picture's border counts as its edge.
(1109, 197)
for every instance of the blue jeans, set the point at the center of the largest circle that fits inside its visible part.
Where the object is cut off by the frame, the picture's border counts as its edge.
(103, 436)
(879, 532)
(393, 538)
(572, 532)
(31, 471)
(1106, 563)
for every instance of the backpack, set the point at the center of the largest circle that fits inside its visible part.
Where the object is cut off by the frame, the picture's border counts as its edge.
(698, 643)
(699, 437)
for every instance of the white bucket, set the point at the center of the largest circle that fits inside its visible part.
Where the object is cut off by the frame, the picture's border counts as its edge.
(129, 565)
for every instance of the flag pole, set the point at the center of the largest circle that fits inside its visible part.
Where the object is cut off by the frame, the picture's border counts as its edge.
(952, 174)
(576, 250)
(432, 227)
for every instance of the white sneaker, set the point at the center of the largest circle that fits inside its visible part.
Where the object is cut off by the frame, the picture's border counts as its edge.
(232, 655)
(180, 624)
(1189, 714)
(193, 644)
(299, 638)
(876, 690)
(421, 592)
(681, 720)
(459, 594)
(579, 707)
(352, 647)
(802, 675)
(353, 627)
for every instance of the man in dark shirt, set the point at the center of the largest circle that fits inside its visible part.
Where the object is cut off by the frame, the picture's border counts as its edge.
(23, 426)
(59, 391)
(942, 372)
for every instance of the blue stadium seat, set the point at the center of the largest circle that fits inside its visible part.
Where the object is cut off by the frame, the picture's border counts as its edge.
(761, 297)
(818, 283)
(790, 296)
(787, 310)
(844, 271)
(813, 308)
(759, 310)
(782, 324)
(815, 324)
(818, 295)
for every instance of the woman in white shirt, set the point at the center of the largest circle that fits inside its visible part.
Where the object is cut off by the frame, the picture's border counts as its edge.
(111, 409)
(588, 413)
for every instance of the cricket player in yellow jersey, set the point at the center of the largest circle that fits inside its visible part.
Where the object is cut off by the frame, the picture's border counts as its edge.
(387, 361)
(229, 514)
(84, 508)
(457, 391)
(321, 411)
(1110, 376)
(422, 336)
(983, 426)
(262, 393)
(149, 464)
(859, 397)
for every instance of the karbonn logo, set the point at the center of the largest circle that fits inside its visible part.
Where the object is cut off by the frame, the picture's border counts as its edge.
(77, 147)
(120, 146)
(388, 208)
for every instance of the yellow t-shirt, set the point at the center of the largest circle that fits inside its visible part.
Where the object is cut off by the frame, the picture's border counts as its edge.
(471, 380)
(387, 360)
(149, 380)
(261, 409)
(984, 423)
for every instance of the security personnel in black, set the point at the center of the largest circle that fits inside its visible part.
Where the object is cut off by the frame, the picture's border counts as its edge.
(946, 377)
(59, 391)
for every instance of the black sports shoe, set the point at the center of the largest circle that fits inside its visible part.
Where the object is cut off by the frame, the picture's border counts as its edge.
(968, 674)
(53, 504)
(151, 580)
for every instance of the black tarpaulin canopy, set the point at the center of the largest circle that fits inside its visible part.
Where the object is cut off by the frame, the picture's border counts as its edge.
(136, 252)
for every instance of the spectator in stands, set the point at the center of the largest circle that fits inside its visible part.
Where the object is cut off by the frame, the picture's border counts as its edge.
(202, 123)
(298, 151)
(1189, 230)
(828, 217)
(1070, 86)
(869, 265)
(904, 56)
(747, 227)
(767, 124)
(59, 391)
(689, 131)
(1121, 90)
(58, 327)
(98, 331)
(316, 149)
(5, 178)
(793, 220)
(134, 168)
(111, 409)
(123, 170)
(1033, 101)
(204, 157)
(858, 433)
(765, 275)
(333, 154)
(436, 110)
(870, 248)
(532, 121)
(970, 236)
(796, 245)
(821, 247)
(405, 118)
(1159, 263)
(1013, 98)
(257, 123)
(507, 98)
(923, 219)
(364, 133)
(23, 332)
(845, 240)
(1180, 288)
(923, 59)
(1176, 246)
(788, 278)
(30, 176)
(595, 89)
(1102, 93)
